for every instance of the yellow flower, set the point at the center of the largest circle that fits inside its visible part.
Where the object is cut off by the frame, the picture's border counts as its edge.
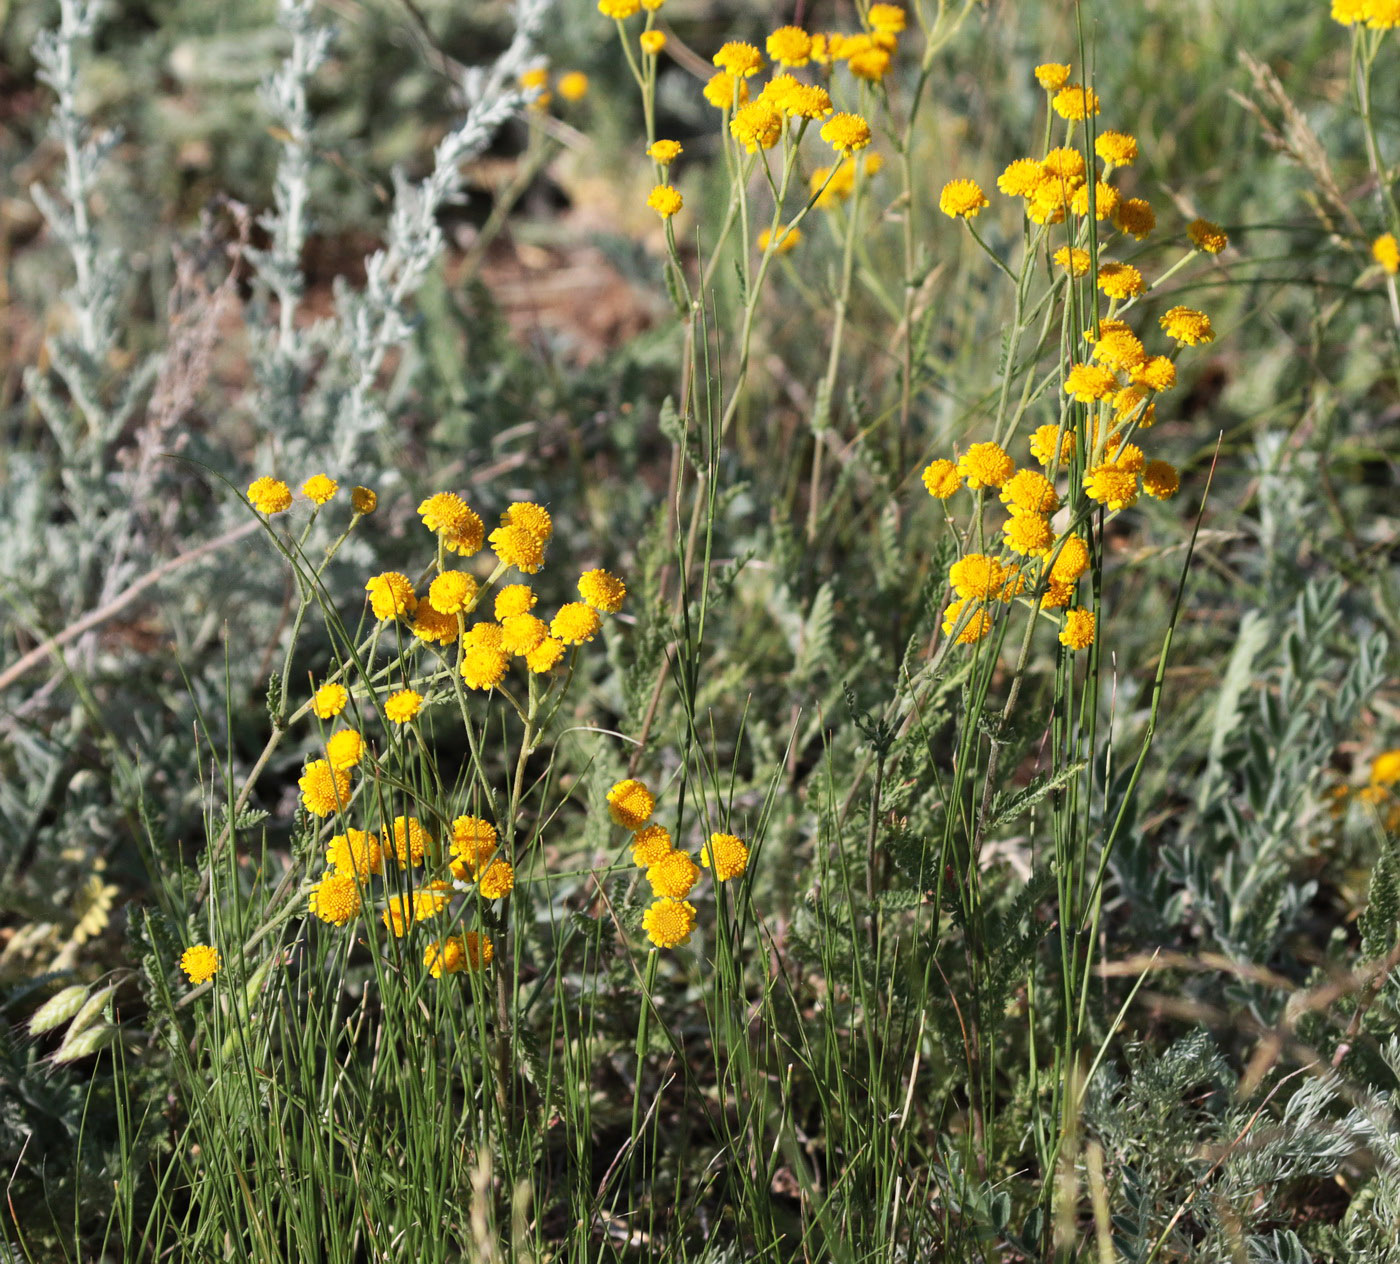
(446, 956)
(664, 152)
(1349, 12)
(602, 590)
(941, 479)
(1078, 631)
(545, 655)
(443, 511)
(726, 854)
(665, 201)
(1047, 204)
(515, 599)
(324, 789)
(673, 875)
(575, 623)
(534, 518)
(1071, 561)
(518, 547)
(498, 881)
(363, 501)
(329, 701)
(1074, 261)
(453, 592)
(790, 46)
(1120, 280)
(269, 495)
(479, 948)
(619, 10)
(1127, 457)
(1111, 486)
(1028, 534)
(573, 86)
(977, 626)
(846, 133)
(473, 843)
(739, 58)
(962, 199)
(409, 839)
(1128, 404)
(357, 853)
(788, 238)
(1118, 149)
(652, 42)
(521, 633)
(1043, 441)
(483, 636)
(345, 749)
(976, 576)
(1383, 15)
(1135, 217)
(422, 906)
(432, 625)
(391, 595)
(534, 79)
(756, 126)
(1056, 596)
(1105, 200)
(1052, 76)
(1160, 480)
(335, 899)
(200, 962)
(1207, 236)
(1074, 103)
(484, 668)
(985, 465)
(1385, 768)
(871, 64)
(888, 19)
(630, 804)
(669, 923)
(1385, 250)
(1065, 163)
(650, 844)
(319, 488)
(1088, 382)
(1187, 326)
(1021, 177)
(1122, 350)
(1029, 491)
(401, 707)
(1157, 374)
(720, 90)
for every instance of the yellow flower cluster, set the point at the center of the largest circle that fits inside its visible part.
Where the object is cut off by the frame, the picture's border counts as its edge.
(270, 496)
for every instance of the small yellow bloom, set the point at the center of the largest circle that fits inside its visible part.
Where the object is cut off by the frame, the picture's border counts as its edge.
(1052, 76)
(1075, 103)
(363, 501)
(1111, 486)
(758, 125)
(673, 875)
(630, 804)
(1078, 631)
(573, 86)
(846, 133)
(1207, 236)
(739, 58)
(200, 962)
(977, 626)
(1043, 441)
(1088, 382)
(1385, 250)
(391, 595)
(1118, 149)
(521, 633)
(1071, 561)
(650, 844)
(985, 465)
(1187, 326)
(665, 200)
(324, 789)
(453, 592)
(790, 46)
(619, 10)
(976, 576)
(329, 701)
(545, 655)
(1105, 200)
(788, 239)
(726, 854)
(518, 547)
(721, 88)
(269, 495)
(602, 590)
(1385, 768)
(335, 898)
(498, 881)
(575, 623)
(1120, 280)
(484, 668)
(962, 199)
(652, 42)
(664, 152)
(669, 923)
(1135, 217)
(888, 19)
(319, 488)
(1160, 480)
(1021, 177)
(1029, 534)
(1072, 260)
(345, 749)
(403, 706)
(1029, 492)
(941, 479)
(409, 839)
(357, 853)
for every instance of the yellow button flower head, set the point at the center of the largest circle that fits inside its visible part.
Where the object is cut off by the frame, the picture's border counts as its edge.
(453, 592)
(1160, 480)
(1021, 177)
(1207, 236)
(1118, 149)
(484, 668)
(445, 956)
(1088, 382)
(1047, 204)
(826, 48)
(1065, 163)
(888, 19)
(986, 465)
(602, 590)
(1127, 456)
(630, 804)
(1120, 280)
(269, 495)
(665, 200)
(433, 626)
(409, 840)
(756, 126)
(1030, 492)
(1383, 15)
(1071, 561)
(1028, 534)
(575, 623)
(801, 100)
(534, 518)
(846, 133)
(727, 855)
(473, 842)
(329, 701)
(1385, 768)
(1349, 12)
(979, 623)
(467, 537)
(1157, 374)
(319, 488)
(1105, 200)
(573, 86)
(357, 853)
(1043, 442)
(941, 479)
(483, 636)
(1135, 217)
(335, 898)
(545, 655)
(652, 42)
(620, 10)
(403, 706)
(962, 199)
(650, 844)
(720, 90)
(1014, 586)
(443, 511)
(515, 599)
(1056, 596)
(534, 79)
(673, 875)
(1075, 103)
(870, 63)
(498, 881)
(1110, 486)
(1385, 250)
(422, 906)
(1120, 349)
(200, 962)
(1072, 260)
(1078, 631)
(518, 547)
(788, 240)
(790, 46)
(1052, 76)
(324, 789)
(739, 58)
(976, 576)
(345, 749)
(479, 948)
(669, 923)
(1187, 326)
(1130, 400)
(520, 633)
(363, 501)
(391, 595)
(664, 152)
